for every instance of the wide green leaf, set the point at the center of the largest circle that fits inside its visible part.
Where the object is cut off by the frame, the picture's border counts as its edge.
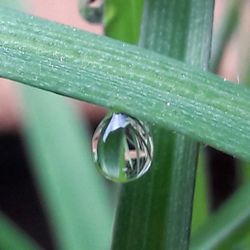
(126, 78)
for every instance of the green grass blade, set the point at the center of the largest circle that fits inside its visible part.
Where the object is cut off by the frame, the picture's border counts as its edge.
(124, 77)
(11, 237)
(232, 216)
(72, 192)
(160, 221)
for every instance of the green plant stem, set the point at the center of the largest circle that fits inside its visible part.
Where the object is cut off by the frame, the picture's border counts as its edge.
(11, 237)
(151, 208)
(233, 215)
(124, 78)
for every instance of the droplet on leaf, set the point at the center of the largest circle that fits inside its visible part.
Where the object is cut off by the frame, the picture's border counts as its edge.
(122, 147)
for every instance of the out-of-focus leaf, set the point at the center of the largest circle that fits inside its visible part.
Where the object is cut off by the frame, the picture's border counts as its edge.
(75, 198)
(238, 240)
(122, 19)
(12, 237)
(200, 204)
(224, 223)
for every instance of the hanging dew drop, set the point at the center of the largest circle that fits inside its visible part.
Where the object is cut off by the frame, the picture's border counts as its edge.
(122, 147)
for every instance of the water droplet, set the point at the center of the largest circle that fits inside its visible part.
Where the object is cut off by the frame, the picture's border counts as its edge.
(122, 147)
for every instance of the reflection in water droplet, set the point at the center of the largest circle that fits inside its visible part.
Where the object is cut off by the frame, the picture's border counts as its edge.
(122, 148)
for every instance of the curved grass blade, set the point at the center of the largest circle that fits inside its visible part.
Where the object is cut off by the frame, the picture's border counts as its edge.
(124, 77)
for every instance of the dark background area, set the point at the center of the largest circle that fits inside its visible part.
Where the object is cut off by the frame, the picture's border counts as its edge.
(18, 195)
